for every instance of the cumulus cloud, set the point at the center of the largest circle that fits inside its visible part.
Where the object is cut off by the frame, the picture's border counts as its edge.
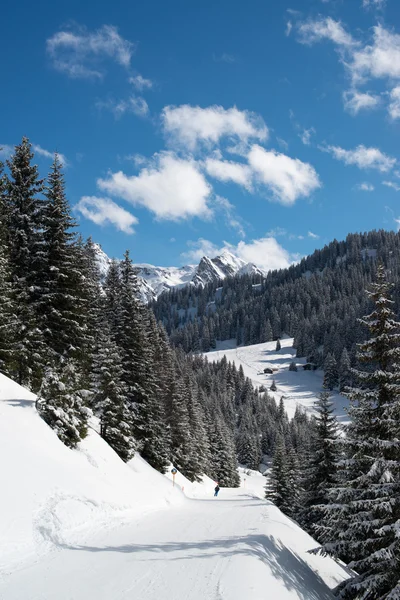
(354, 101)
(312, 235)
(392, 184)
(140, 83)
(365, 187)
(266, 253)
(394, 105)
(103, 211)
(287, 178)
(171, 187)
(381, 59)
(225, 170)
(79, 53)
(363, 157)
(135, 105)
(190, 126)
(313, 31)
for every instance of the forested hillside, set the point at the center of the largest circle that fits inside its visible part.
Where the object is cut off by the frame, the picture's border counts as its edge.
(316, 301)
(88, 345)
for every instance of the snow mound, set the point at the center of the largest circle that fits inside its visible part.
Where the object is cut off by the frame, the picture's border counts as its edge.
(52, 492)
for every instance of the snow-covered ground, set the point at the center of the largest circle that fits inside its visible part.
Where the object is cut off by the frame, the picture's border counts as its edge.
(82, 525)
(301, 387)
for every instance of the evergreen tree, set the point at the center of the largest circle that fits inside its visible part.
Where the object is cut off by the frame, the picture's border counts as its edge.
(61, 404)
(278, 345)
(7, 311)
(109, 398)
(277, 488)
(344, 371)
(273, 387)
(330, 373)
(292, 366)
(24, 211)
(365, 513)
(62, 309)
(321, 467)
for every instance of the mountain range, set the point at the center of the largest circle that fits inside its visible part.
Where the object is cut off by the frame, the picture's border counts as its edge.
(153, 280)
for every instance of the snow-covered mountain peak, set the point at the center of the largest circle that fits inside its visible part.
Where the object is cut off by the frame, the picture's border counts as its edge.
(153, 280)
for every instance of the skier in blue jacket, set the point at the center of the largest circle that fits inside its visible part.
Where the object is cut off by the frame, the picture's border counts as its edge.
(216, 490)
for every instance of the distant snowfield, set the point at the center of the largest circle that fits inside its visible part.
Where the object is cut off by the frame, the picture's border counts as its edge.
(301, 387)
(82, 525)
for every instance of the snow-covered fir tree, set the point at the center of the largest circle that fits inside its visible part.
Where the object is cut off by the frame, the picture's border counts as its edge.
(344, 371)
(62, 309)
(365, 512)
(330, 372)
(109, 397)
(25, 224)
(320, 469)
(61, 403)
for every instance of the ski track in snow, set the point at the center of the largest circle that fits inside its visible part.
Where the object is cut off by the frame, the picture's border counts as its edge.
(301, 387)
(83, 525)
(230, 548)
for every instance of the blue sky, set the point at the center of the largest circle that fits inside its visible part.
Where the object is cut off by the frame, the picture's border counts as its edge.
(266, 127)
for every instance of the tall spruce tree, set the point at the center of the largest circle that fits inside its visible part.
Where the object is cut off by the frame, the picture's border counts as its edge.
(109, 398)
(62, 308)
(320, 469)
(8, 318)
(25, 225)
(330, 372)
(365, 512)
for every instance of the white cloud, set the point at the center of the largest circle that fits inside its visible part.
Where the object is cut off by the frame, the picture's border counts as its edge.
(103, 210)
(6, 151)
(287, 178)
(277, 232)
(354, 101)
(78, 53)
(312, 235)
(392, 185)
(191, 125)
(172, 188)
(225, 170)
(363, 157)
(305, 136)
(394, 106)
(374, 3)
(380, 59)
(135, 104)
(325, 28)
(265, 253)
(140, 83)
(289, 27)
(365, 187)
(47, 154)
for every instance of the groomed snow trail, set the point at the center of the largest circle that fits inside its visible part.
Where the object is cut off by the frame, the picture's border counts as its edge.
(232, 547)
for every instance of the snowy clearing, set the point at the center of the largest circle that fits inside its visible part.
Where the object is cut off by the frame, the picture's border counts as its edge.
(301, 387)
(83, 525)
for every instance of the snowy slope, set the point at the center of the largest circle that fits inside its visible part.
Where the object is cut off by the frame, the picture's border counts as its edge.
(155, 280)
(82, 525)
(301, 387)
